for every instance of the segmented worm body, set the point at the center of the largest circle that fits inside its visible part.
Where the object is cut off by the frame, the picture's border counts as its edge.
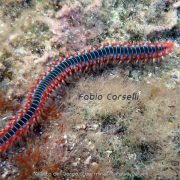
(64, 69)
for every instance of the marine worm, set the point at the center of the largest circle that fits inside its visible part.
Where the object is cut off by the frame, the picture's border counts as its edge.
(66, 68)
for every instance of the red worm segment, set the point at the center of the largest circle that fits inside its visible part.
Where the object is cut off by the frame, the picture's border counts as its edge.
(77, 64)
